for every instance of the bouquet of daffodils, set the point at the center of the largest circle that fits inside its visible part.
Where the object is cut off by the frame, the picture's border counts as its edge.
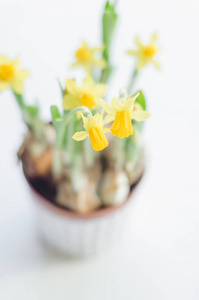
(90, 154)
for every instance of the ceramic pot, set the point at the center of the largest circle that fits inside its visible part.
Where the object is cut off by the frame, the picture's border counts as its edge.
(82, 234)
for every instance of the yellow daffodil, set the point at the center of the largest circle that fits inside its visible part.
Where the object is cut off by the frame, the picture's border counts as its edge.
(145, 53)
(121, 114)
(85, 57)
(87, 95)
(95, 131)
(11, 76)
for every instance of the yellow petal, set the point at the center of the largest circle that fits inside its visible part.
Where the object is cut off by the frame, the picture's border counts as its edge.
(107, 107)
(71, 87)
(99, 90)
(105, 130)
(138, 42)
(141, 64)
(99, 49)
(132, 52)
(16, 62)
(4, 60)
(84, 44)
(135, 97)
(18, 87)
(117, 104)
(108, 119)
(22, 74)
(140, 115)
(70, 102)
(157, 49)
(100, 63)
(80, 135)
(156, 64)
(88, 82)
(129, 103)
(85, 122)
(4, 85)
(154, 38)
(76, 64)
(96, 120)
(137, 106)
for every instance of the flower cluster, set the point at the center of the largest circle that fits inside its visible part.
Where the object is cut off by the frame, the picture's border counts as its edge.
(86, 95)
(119, 115)
(11, 76)
(145, 53)
(86, 57)
(90, 154)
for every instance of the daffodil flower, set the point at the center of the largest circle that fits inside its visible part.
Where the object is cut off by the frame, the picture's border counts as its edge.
(86, 95)
(95, 131)
(11, 76)
(85, 57)
(121, 114)
(145, 53)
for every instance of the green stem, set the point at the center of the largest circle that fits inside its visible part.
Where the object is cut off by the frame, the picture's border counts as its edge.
(119, 153)
(132, 82)
(30, 116)
(20, 100)
(109, 21)
(76, 145)
(79, 108)
(61, 128)
(88, 154)
(70, 141)
(105, 74)
(61, 88)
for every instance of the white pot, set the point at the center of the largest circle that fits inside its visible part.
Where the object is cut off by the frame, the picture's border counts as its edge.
(82, 234)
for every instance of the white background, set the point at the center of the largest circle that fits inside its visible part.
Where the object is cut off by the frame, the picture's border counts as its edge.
(160, 260)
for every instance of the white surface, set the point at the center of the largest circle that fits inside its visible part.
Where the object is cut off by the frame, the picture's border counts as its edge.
(160, 259)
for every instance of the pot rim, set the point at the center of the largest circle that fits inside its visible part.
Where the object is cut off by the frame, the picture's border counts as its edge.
(59, 210)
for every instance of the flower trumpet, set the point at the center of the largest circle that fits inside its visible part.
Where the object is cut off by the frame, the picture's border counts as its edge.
(95, 131)
(121, 114)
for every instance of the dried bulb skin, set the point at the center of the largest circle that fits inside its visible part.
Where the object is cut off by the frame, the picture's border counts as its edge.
(83, 202)
(36, 155)
(77, 189)
(114, 187)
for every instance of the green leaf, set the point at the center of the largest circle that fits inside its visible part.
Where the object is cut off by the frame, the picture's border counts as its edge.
(61, 88)
(19, 99)
(32, 110)
(109, 21)
(58, 123)
(31, 116)
(141, 100)
(106, 73)
(55, 113)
